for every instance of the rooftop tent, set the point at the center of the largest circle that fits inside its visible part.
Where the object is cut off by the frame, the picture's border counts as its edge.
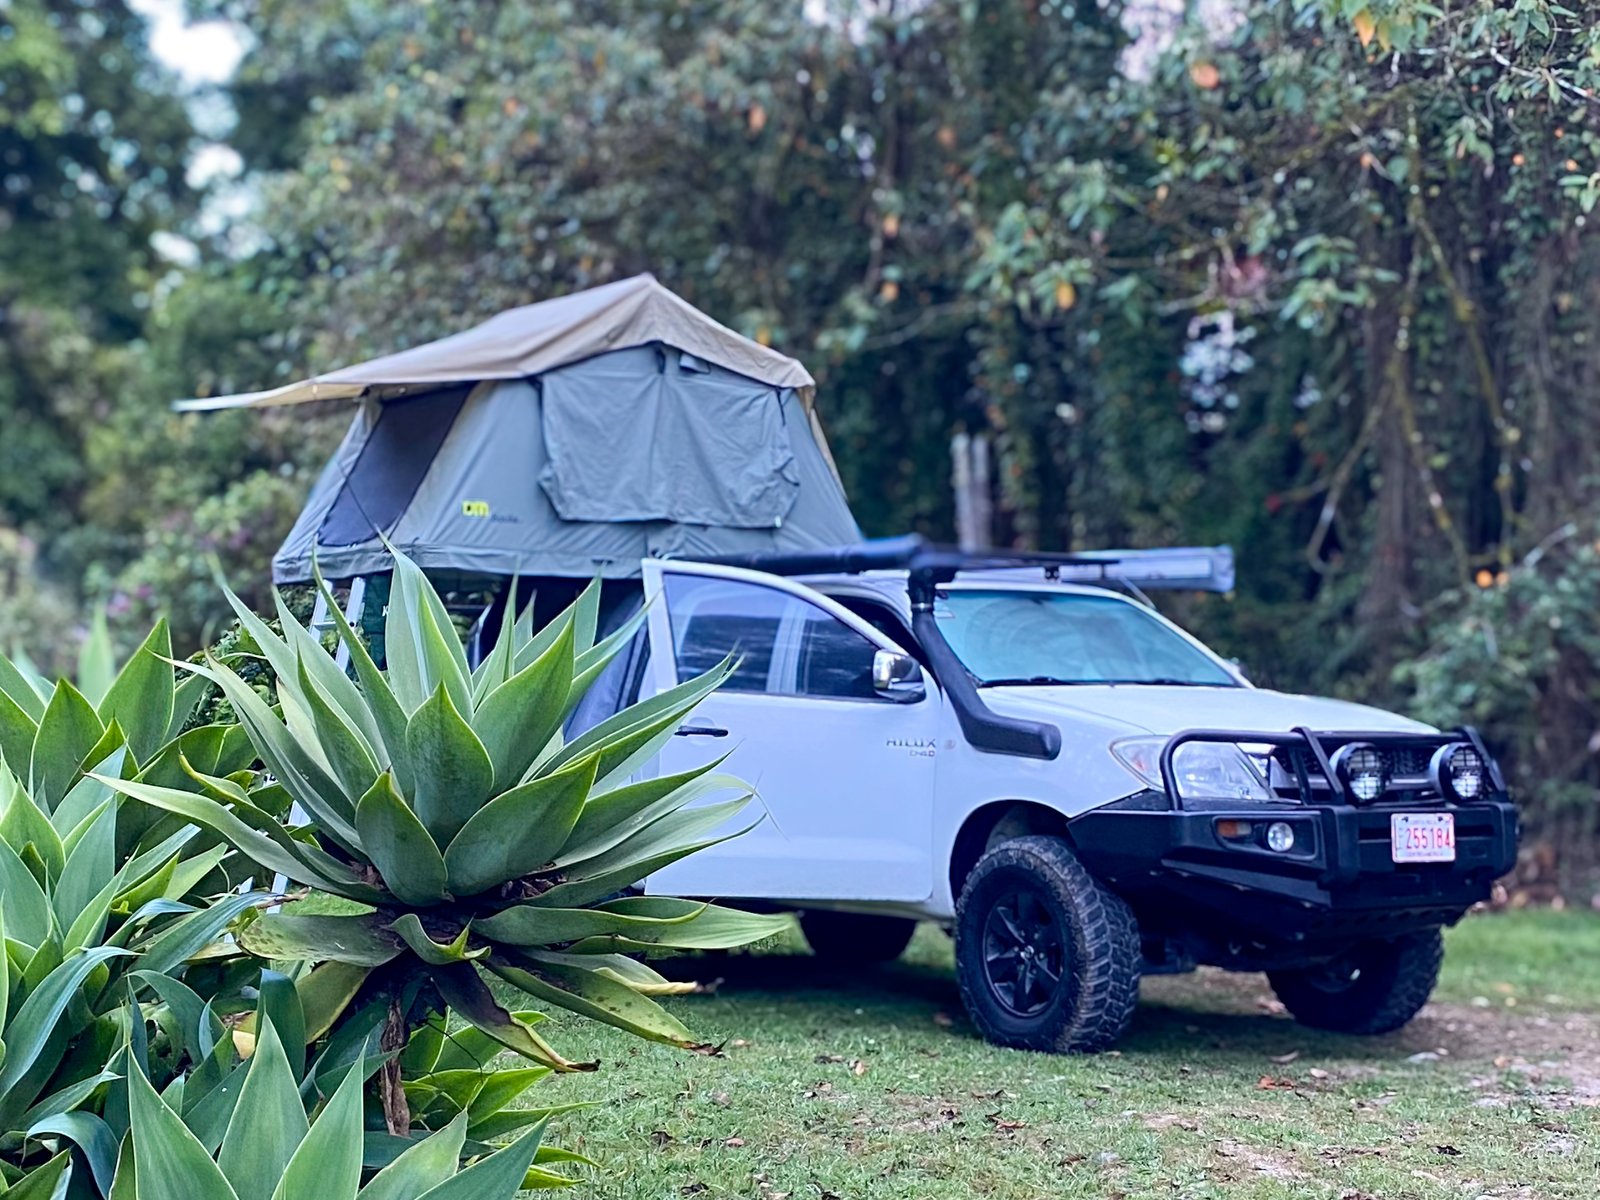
(568, 438)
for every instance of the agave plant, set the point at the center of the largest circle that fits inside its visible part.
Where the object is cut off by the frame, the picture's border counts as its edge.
(480, 841)
(271, 1150)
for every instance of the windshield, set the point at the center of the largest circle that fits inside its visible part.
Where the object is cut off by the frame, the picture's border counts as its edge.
(1064, 637)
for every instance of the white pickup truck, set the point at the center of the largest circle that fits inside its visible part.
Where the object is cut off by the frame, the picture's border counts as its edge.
(1080, 791)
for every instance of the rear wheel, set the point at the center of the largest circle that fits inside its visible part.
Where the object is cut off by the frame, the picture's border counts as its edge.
(1046, 957)
(1375, 987)
(855, 938)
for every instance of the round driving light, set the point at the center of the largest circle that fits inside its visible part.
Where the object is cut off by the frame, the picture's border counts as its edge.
(1458, 772)
(1363, 770)
(1280, 837)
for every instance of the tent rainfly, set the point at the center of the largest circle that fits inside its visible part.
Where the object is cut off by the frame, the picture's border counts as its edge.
(570, 438)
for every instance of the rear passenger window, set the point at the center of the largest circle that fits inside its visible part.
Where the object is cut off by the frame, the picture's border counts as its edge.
(786, 646)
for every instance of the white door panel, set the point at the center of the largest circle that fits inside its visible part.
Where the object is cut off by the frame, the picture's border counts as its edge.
(845, 776)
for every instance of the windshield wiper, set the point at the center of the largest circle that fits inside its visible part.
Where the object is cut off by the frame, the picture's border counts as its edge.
(1034, 681)
(1163, 681)
(1051, 680)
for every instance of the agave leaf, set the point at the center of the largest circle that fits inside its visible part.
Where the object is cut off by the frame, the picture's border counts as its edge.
(424, 1165)
(140, 699)
(517, 833)
(438, 954)
(633, 924)
(46, 1182)
(87, 795)
(591, 664)
(361, 939)
(67, 1099)
(306, 781)
(639, 976)
(470, 999)
(97, 660)
(32, 1024)
(170, 1162)
(327, 1163)
(658, 845)
(91, 861)
(451, 772)
(187, 694)
(188, 935)
(524, 925)
(590, 994)
(619, 737)
(388, 715)
(19, 688)
(24, 824)
(69, 729)
(469, 1048)
(398, 845)
(500, 1088)
(276, 852)
(611, 817)
(189, 1011)
(325, 992)
(268, 1124)
(343, 746)
(586, 616)
(498, 1176)
(28, 915)
(516, 719)
(18, 730)
(500, 664)
(280, 1006)
(420, 641)
(337, 687)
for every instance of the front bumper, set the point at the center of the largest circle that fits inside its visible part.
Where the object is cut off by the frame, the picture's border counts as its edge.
(1339, 883)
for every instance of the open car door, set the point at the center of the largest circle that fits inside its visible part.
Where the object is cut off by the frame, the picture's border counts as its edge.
(844, 771)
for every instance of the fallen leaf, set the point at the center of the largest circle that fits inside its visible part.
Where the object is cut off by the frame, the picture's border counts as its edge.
(693, 1189)
(830, 1058)
(1205, 75)
(1317, 1073)
(1003, 1124)
(1448, 1151)
(709, 1050)
(1365, 25)
(720, 1099)
(943, 1020)
(1170, 1121)
(858, 1068)
(738, 1043)
(1284, 1060)
(733, 1143)
(660, 1137)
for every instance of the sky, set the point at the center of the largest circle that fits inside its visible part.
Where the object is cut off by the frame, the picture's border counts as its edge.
(205, 52)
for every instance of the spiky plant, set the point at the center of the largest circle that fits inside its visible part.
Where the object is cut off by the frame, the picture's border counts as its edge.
(447, 802)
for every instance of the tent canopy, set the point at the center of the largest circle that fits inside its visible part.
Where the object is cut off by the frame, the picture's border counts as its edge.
(644, 429)
(536, 338)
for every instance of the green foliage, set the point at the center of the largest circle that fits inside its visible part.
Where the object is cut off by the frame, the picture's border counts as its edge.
(477, 838)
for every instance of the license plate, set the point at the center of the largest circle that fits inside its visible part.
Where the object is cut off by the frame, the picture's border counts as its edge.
(1422, 837)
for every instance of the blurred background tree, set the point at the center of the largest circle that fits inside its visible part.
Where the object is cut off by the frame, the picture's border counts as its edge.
(1315, 279)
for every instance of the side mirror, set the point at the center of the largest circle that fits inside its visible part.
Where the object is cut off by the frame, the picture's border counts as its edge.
(897, 676)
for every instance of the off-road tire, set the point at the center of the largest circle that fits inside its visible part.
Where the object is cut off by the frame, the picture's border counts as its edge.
(855, 939)
(1394, 980)
(1091, 1004)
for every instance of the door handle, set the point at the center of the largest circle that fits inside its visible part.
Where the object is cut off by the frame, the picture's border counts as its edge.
(699, 731)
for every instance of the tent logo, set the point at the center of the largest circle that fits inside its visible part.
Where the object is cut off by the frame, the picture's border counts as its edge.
(474, 508)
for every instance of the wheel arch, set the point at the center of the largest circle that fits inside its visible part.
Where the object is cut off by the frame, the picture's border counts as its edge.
(995, 822)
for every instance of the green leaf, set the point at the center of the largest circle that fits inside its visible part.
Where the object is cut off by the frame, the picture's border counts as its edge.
(22, 824)
(187, 936)
(362, 939)
(18, 730)
(643, 921)
(611, 817)
(187, 694)
(425, 1165)
(126, 1184)
(388, 716)
(140, 700)
(275, 850)
(92, 1136)
(590, 994)
(306, 781)
(327, 1163)
(30, 1028)
(269, 1122)
(280, 1005)
(69, 729)
(424, 653)
(518, 833)
(325, 992)
(469, 1048)
(47, 1182)
(438, 954)
(337, 687)
(517, 718)
(470, 999)
(170, 1162)
(500, 664)
(91, 863)
(658, 845)
(451, 772)
(20, 690)
(398, 845)
(97, 661)
(189, 1011)
(343, 746)
(497, 1177)
(28, 915)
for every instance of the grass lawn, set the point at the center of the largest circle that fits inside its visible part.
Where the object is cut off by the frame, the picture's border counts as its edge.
(873, 1085)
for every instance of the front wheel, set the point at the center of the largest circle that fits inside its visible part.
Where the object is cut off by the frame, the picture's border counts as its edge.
(1375, 987)
(1046, 957)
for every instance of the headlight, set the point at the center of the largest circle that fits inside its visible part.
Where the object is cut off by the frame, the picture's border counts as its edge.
(1202, 770)
(1457, 772)
(1363, 769)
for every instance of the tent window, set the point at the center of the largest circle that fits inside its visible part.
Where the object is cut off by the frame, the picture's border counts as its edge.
(391, 465)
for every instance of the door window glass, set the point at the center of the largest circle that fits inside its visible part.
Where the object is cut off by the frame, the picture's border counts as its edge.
(786, 645)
